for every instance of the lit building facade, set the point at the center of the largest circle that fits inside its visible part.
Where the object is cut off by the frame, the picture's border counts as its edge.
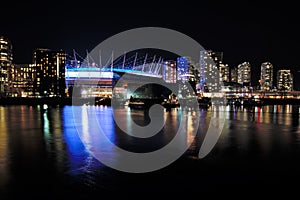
(233, 75)
(22, 80)
(6, 59)
(224, 72)
(285, 80)
(93, 82)
(50, 72)
(266, 76)
(244, 74)
(209, 70)
(185, 69)
(169, 71)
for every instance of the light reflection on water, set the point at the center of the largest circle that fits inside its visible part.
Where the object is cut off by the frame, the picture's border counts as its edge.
(36, 141)
(3, 148)
(272, 114)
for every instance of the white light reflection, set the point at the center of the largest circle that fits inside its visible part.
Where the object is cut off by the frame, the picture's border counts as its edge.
(85, 126)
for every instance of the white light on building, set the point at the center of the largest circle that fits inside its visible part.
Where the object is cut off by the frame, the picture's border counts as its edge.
(285, 80)
(266, 76)
(244, 74)
(169, 71)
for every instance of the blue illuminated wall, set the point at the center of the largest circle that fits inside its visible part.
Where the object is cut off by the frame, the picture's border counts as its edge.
(182, 67)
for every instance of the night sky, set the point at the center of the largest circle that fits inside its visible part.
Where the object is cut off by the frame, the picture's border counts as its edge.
(245, 31)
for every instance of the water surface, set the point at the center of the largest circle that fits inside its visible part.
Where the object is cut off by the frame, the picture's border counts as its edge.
(41, 154)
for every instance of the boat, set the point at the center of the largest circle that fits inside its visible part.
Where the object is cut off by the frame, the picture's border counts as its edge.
(104, 101)
(136, 104)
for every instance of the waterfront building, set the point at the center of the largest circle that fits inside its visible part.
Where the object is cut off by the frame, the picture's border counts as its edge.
(6, 60)
(50, 72)
(244, 74)
(185, 69)
(224, 72)
(285, 80)
(169, 71)
(266, 76)
(210, 63)
(22, 78)
(233, 75)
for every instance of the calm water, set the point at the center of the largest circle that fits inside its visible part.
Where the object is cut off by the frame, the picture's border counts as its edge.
(41, 154)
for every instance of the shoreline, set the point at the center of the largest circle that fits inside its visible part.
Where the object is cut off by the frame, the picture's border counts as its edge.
(61, 101)
(36, 101)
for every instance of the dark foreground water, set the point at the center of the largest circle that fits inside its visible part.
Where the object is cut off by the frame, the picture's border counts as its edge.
(41, 155)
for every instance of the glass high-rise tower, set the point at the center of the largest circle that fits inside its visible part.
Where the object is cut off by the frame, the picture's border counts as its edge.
(285, 80)
(210, 65)
(6, 59)
(266, 76)
(169, 71)
(50, 72)
(244, 74)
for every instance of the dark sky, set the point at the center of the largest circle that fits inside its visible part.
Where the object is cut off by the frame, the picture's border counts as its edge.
(244, 30)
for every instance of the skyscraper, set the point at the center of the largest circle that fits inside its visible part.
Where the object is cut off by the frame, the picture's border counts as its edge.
(185, 69)
(285, 80)
(224, 72)
(244, 74)
(6, 59)
(50, 72)
(233, 75)
(209, 69)
(266, 76)
(169, 71)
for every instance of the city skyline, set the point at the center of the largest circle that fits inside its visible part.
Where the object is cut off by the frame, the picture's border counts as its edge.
(47, 74)
(250, 31)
